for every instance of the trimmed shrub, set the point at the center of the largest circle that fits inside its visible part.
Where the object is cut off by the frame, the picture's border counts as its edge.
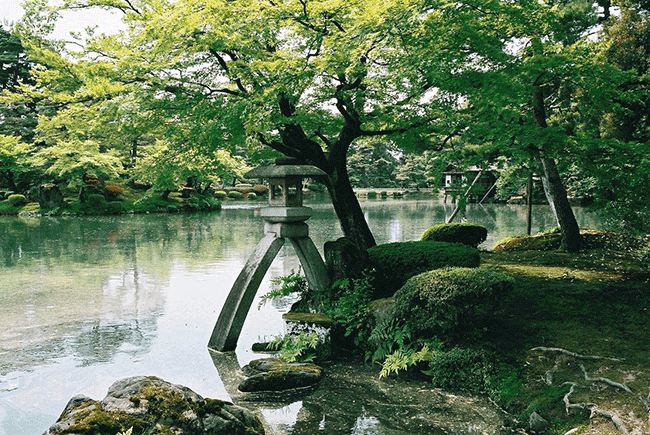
(372, 194)
(467, 234)
(396, 262)
(260, 189)
(220, 194)
(115, 207)
(452, 302)
(114, 189)
(252, 196)
(96, 203)
(17, 200)
(244, 188)
(235, 194)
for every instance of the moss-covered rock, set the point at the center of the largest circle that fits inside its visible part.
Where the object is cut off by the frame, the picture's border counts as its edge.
(150, 405)
(395, 263)
(450, 303)
(275, 375)
(465, 233)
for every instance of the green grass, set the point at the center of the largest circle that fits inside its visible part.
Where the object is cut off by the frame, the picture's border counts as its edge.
(596, 302)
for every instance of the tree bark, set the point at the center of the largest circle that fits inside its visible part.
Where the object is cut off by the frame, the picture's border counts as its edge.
(296, 144)
(554, 188)
(557, 198)
(347, 208)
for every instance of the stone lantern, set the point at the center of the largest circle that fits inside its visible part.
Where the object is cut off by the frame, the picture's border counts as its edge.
(284, 219)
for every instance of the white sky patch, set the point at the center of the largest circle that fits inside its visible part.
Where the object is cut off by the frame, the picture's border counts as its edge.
(108, 22)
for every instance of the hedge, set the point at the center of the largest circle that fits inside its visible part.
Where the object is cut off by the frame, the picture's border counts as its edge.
(17, 199)
(395, 263)
(465, 233)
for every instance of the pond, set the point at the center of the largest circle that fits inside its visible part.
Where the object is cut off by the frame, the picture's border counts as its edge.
(85, 301)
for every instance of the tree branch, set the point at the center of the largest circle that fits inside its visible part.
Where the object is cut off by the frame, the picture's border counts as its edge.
(224, 65)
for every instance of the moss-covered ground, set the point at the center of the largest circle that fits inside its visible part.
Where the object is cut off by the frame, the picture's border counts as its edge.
(595, 304)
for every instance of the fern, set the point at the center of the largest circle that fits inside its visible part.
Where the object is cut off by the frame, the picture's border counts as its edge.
(403, 359)
(296, 348)
(387, 338)
(283, 286)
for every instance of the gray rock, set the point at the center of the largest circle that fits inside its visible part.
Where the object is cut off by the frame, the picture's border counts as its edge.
(152, 405)
(273, 375)
(382, 309)
(344, 259)
(536, 423)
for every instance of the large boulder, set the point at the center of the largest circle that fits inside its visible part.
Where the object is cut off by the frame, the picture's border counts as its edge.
(151, 405)
(344, 259)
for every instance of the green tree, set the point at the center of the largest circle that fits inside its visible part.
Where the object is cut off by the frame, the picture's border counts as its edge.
(618, 167)
(13, 158)
(525, 77)
(372, 164)
(165, 167)
(73, 160)
(412, 171)
(19, 118)
(304, 78)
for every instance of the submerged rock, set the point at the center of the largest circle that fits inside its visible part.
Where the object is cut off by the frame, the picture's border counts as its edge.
(151, 405)
(274, 375)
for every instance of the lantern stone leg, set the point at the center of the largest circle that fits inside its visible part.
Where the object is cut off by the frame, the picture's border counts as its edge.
(312, 263)
(233, 314)
(284, 219)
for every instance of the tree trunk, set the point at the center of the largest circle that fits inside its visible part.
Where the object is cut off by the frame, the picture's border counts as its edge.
(557, 198)
(554, 188)
(347, 208)
(296, 144)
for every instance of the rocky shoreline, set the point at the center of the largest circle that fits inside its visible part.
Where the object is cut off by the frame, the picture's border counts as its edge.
(350, 398)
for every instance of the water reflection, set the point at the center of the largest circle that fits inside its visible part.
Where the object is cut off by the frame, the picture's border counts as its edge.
(86, 301)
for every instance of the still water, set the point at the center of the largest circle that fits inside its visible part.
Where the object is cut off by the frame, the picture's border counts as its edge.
(85, 301)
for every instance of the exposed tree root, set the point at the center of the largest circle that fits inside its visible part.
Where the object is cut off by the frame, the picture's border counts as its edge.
(594, 410)
(573, 354)
(605, 381)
